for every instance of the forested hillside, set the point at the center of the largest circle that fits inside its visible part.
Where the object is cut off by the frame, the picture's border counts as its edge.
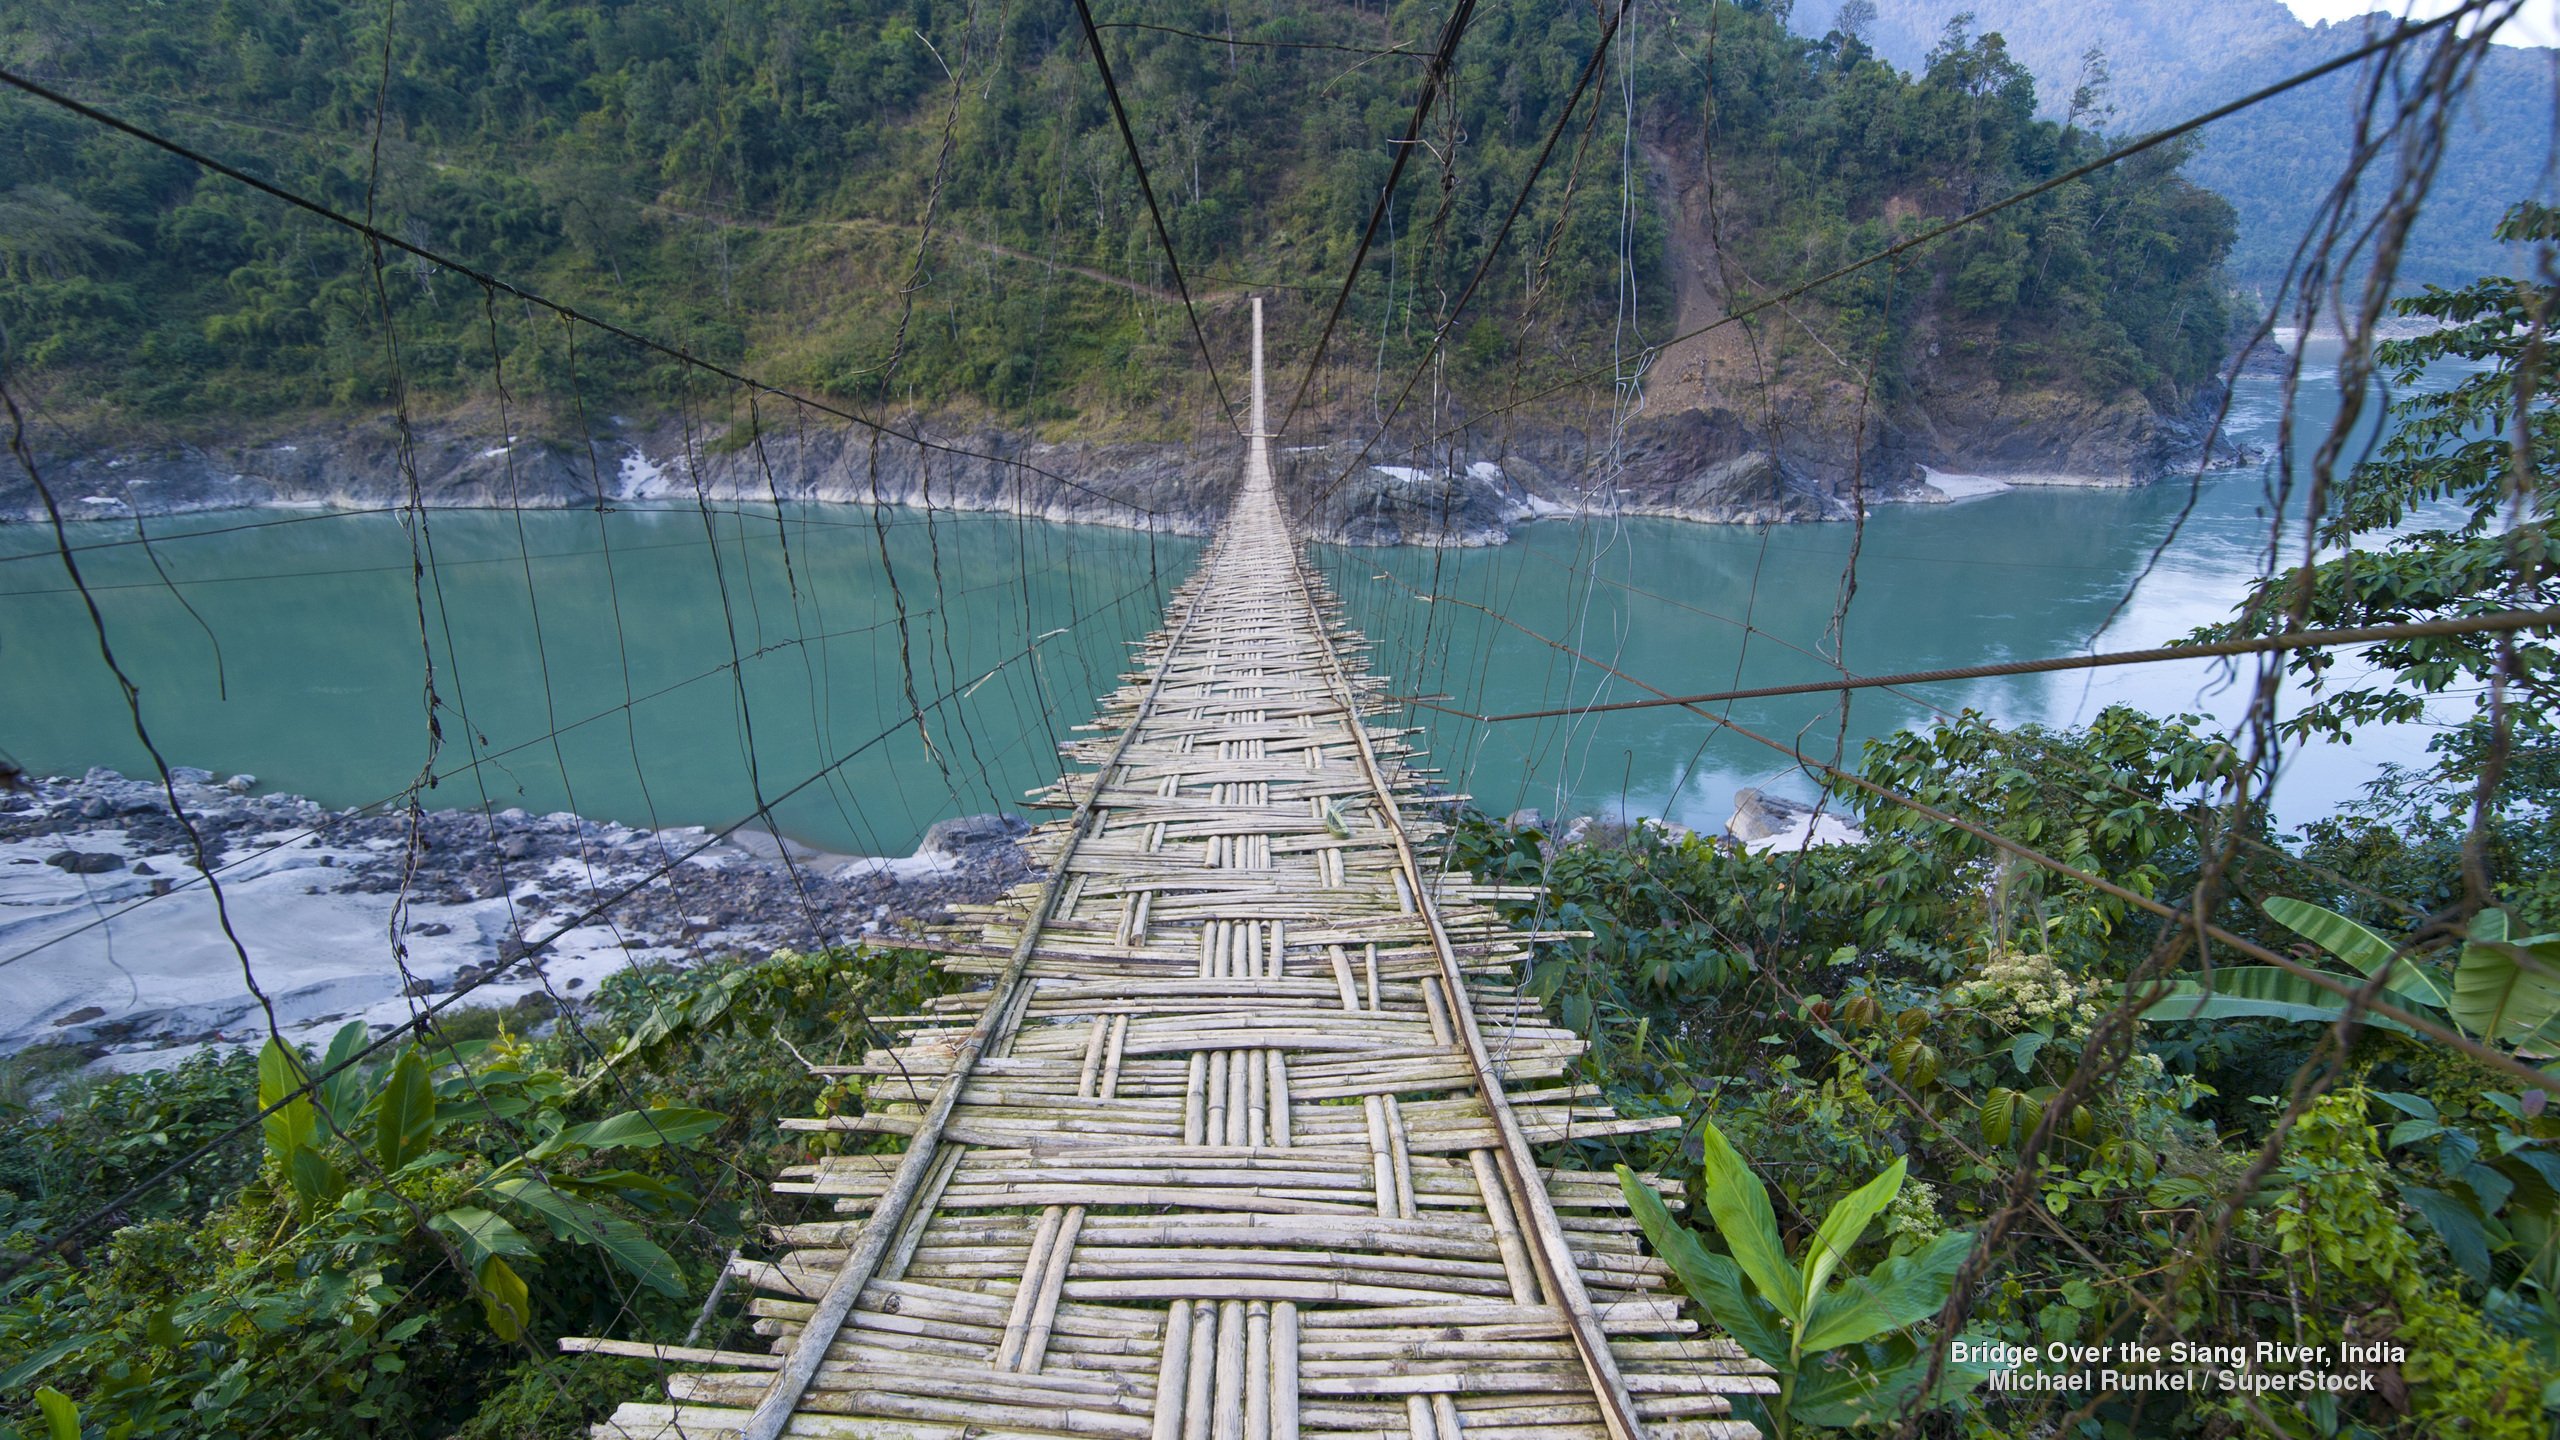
(2159, 62)
(750, 181)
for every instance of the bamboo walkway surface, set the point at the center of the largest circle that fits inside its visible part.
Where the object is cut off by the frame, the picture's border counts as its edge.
(1237, 1141)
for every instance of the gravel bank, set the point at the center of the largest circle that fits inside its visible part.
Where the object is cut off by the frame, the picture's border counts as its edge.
(109, 937)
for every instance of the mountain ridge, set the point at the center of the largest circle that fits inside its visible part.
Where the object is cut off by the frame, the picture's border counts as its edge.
(2166, 61)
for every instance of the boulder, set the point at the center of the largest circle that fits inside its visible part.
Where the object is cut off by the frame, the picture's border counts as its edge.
(968, 832)
(1763, 822)
(85, 862)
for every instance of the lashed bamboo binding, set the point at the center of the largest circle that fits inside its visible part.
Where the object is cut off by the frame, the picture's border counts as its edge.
(1236, 1146)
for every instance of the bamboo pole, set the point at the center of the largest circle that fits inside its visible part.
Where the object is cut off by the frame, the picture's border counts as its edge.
(773, 1412)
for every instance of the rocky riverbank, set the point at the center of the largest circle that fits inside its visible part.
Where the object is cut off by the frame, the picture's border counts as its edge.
(1693, 459)
(112, 940)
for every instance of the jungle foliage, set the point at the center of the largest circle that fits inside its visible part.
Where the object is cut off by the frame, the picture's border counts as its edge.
(396, 1253)
(746, 181)
(1923, 1008)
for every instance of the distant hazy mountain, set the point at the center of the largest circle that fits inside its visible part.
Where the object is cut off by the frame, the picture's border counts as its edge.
(2172, 58)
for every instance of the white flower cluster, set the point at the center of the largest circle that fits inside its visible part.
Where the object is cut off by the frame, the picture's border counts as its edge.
(1914, 1213)
(2029, 991)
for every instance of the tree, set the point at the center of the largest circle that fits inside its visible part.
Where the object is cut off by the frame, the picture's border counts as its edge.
(2089, 93)
(1856, 20)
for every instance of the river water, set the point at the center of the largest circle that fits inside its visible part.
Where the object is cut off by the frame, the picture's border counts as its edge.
(619, 632)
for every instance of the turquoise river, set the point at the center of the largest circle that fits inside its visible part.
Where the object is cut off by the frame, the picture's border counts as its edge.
(677, 667)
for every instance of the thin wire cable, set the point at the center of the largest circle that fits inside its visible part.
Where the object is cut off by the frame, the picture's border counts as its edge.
(1493, 252)
(1146, 188)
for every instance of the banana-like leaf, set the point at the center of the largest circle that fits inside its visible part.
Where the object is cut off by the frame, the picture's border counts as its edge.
(504, 1299)
(645, 1129)
(297, 1125)
(481, 1233)
(342, 1094)
(2259, 992)
(2506, 991)
(405, 1115)
(619, 1239)
(1840, 1232)
(61, 1417)
(36, 1364)
(2458, 1223)
(1901, 1292)
(315, 1179)
(1846, 1396)
(646, 1191)
(1712, 1280)
(1740, 1205)
(2358, 946)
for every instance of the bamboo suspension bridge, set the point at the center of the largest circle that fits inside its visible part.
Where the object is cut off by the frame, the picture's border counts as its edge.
(1238, 1141)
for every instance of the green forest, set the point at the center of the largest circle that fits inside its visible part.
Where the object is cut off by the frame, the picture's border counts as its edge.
(753, 182)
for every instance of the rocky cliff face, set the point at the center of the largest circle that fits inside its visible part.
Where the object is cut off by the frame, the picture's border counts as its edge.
(1813, 409)
(1179, 489)
(1690, 464)
(1686, 458)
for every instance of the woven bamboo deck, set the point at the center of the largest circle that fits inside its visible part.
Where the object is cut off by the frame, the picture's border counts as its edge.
(1237, 1142)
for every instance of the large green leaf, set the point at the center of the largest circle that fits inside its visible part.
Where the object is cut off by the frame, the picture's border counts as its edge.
(645, 1129)
(619, 1239)
(2358, 946)
(316, 1179)
(1712, 1280)
(2458, 1223)
(1740, 1206)
(2006, 1115)
(1846, 1396)
(405, 1115)
(646, 1191)
(1842, 1229)
(1897, 1294)
(36, 1364)
(297, 1125)
(504, 1299)
(481, 1233)
(2261, 992)
(61, 1417)
(342, 1092)
(2506, 991)
(1842, 1394)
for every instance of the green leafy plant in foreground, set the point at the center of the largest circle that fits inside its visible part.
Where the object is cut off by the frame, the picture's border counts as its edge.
(1840, 1351)
(408, 1110)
